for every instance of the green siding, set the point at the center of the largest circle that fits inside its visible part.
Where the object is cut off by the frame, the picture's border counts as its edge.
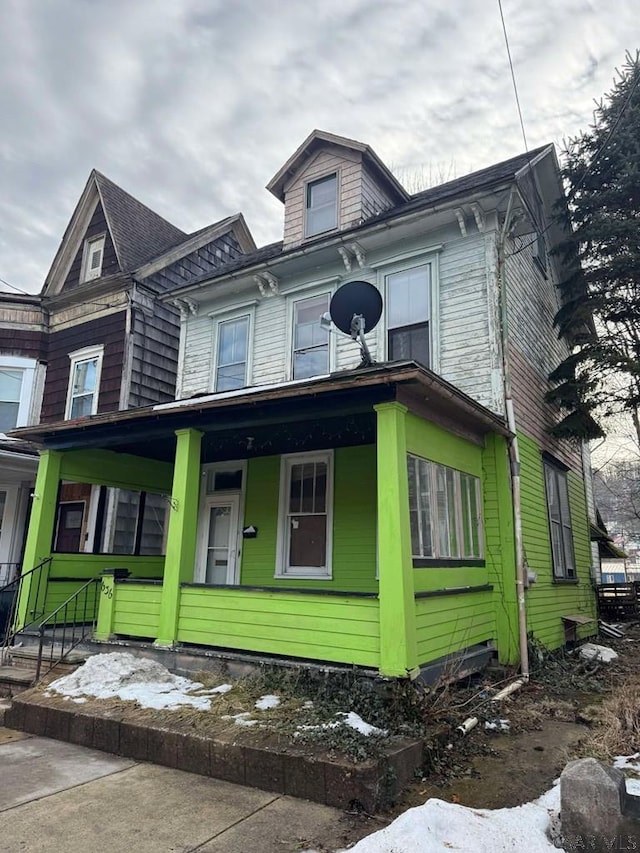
(354, 523)
(136, 609)
(500, 544)
(116, 469)
(432, 442)
(451, 623)
(91, 565)
(59, 591)
(548, 600)
(325, 628)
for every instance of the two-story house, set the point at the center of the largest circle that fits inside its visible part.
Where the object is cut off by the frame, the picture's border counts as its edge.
(402, 517)
(96, 339)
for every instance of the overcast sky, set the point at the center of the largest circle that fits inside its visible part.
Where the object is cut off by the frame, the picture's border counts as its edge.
(193, 105)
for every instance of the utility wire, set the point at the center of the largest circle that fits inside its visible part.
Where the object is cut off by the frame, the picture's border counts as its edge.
(513, 76)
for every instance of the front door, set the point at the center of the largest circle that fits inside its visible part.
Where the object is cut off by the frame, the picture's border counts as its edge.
(70, 522)
(217, 560)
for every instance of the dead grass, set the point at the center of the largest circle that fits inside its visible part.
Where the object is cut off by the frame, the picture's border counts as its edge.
(616, 723)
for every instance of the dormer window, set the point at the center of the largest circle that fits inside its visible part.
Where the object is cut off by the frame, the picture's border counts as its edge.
(321, 209)
(92, 262)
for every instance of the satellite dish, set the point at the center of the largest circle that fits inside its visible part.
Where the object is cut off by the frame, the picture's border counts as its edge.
(356, 308)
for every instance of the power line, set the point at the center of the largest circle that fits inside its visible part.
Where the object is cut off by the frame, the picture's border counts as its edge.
(513, 76)
(15, 287)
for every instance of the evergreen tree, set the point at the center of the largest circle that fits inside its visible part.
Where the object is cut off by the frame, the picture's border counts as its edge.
(602, 252)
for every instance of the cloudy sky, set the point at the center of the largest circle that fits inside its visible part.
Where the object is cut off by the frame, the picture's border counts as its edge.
(192, 105)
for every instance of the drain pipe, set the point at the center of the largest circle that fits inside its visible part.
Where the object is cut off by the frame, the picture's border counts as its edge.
(514, 454)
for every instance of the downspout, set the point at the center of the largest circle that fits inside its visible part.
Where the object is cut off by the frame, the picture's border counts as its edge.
(514, 453)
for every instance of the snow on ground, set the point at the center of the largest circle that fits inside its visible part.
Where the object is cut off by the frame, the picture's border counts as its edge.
(122, 675)
(497, 725)
(352, 720)
(439, 827)
(265, 703)
(241, 719)
(592, 651)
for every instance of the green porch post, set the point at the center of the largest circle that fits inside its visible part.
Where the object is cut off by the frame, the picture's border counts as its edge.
(181, 535)
(398, 650)
(40, 535)
(106, 605)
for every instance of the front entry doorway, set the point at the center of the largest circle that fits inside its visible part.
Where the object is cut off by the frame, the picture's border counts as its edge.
(218, 553)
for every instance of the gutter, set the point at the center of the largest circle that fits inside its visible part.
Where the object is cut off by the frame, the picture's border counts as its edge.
(514, 452)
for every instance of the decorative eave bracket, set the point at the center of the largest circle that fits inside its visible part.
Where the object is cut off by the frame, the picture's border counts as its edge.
(478, 214)
(268, 284)
(185, 306)
(459, 212)
(354, 253)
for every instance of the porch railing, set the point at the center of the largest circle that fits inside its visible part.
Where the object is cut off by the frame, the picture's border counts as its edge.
(9, 599)
(67, 626)
(8, 573)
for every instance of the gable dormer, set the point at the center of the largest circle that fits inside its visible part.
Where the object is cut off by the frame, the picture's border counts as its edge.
(331, 184)
(110, 232)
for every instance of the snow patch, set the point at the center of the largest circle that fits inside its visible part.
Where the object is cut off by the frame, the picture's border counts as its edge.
(241, 719)
(124, 676)
(592, 651)
(497, 725)
(439, 827)
(264, 703)
(350, 719)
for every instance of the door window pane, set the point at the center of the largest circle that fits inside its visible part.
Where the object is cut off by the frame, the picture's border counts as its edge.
(217, 562)
(232, 354)
(310, 340)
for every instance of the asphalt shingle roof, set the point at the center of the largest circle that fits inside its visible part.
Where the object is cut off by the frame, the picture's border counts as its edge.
(137, 231)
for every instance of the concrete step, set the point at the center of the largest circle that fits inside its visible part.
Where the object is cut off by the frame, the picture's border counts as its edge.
(15, 679)
(28, 655)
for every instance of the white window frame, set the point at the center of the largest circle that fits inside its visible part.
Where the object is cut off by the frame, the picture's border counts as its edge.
(28, 367)
(306, 187)
(436, 557)
(228, 315)
(85, 354)
(90, 244)
(300, 296)
(287, 461)
(404, 262)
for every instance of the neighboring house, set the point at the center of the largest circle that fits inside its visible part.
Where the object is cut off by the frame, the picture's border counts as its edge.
(22, 371)
(377, 516)
(107, 340)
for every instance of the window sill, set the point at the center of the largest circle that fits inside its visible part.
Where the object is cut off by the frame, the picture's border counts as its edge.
(291, 576)
(435, 563)
(565, 581)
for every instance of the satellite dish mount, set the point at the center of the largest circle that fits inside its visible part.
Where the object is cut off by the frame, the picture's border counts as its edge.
(356, 308)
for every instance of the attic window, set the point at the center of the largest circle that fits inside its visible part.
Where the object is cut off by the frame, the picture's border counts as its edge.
(321, 206)
(92, 261)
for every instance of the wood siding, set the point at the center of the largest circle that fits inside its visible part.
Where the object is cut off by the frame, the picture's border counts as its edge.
(59, 591)
(450, 624)
(374, 198)
(108, 331)
(136, 609)
(534, 347)
(354, 523)
(316, 627)
(97, 226)
(548, 600)
(154, 344)
(23, 343)
(348, 166)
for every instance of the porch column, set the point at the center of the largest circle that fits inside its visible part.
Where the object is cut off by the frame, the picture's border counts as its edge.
(182, 530)
(40, 536)
(398, 650)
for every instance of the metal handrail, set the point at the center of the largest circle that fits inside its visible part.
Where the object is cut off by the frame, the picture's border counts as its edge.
(86, 625)
(10, 630)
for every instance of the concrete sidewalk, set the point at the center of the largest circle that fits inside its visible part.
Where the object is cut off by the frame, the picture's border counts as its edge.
(56, 797)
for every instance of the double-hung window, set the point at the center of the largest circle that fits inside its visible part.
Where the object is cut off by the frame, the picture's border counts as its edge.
(92, 260)
(10, 394)
(564, 566)
(84, 382)
(445, 514)
(232, 354)
(409, 315)
(306, 513)
(321, 206)
(310, 339)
